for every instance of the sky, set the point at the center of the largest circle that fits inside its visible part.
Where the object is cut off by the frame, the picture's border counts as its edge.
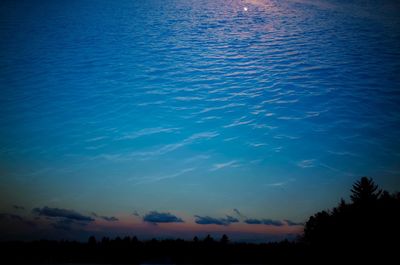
(182, 118)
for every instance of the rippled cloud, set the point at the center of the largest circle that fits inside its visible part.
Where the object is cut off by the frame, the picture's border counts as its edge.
(230, 105)
(238, 122)
(188, 98)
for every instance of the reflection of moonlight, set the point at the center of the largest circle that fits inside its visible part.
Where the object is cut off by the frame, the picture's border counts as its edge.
(245, 8)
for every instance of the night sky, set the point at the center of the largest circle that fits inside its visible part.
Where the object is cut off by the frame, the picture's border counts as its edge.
(181, 118)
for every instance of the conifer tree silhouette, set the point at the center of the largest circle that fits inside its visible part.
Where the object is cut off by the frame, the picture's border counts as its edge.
(365, 191)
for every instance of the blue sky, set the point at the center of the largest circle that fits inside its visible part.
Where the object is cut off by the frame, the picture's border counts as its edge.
(191, 110)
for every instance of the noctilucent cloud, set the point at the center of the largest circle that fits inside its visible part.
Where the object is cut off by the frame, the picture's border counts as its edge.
(181, 118)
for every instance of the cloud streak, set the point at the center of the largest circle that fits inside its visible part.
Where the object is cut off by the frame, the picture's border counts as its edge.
(219, 166)
(160, 150)
(230, 105)
(238, 122)
(172, 147)
(163, 177)
(307, 163)
(148, 131)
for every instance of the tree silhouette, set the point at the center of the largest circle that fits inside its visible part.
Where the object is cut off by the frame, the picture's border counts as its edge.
(365, 191)
(224, 239)
(208, 239)
(92, 241)
(364, 230)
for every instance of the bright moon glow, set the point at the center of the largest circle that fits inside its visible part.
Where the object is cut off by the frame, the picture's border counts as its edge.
(245, 8)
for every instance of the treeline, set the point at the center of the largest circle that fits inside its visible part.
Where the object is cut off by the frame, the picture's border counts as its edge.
(365, 230)
(133, 251)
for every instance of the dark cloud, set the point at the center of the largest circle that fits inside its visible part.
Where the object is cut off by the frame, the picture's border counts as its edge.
(253, 221)
(64, 224)
(230, 219)
(107, 218)
(68, 224)
(135, 213)
(16, 218)
(273, 222)
(207, 220)
(110, 218)
(156, 217)
(291, 223)
(264, 222)
(62, 213)
(68, 220)
(62, 227)
(238, 213)
(18, 207)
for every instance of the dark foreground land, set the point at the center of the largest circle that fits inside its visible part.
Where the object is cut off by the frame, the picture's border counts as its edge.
(132, 251)
(128, 251)
(364, 231)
